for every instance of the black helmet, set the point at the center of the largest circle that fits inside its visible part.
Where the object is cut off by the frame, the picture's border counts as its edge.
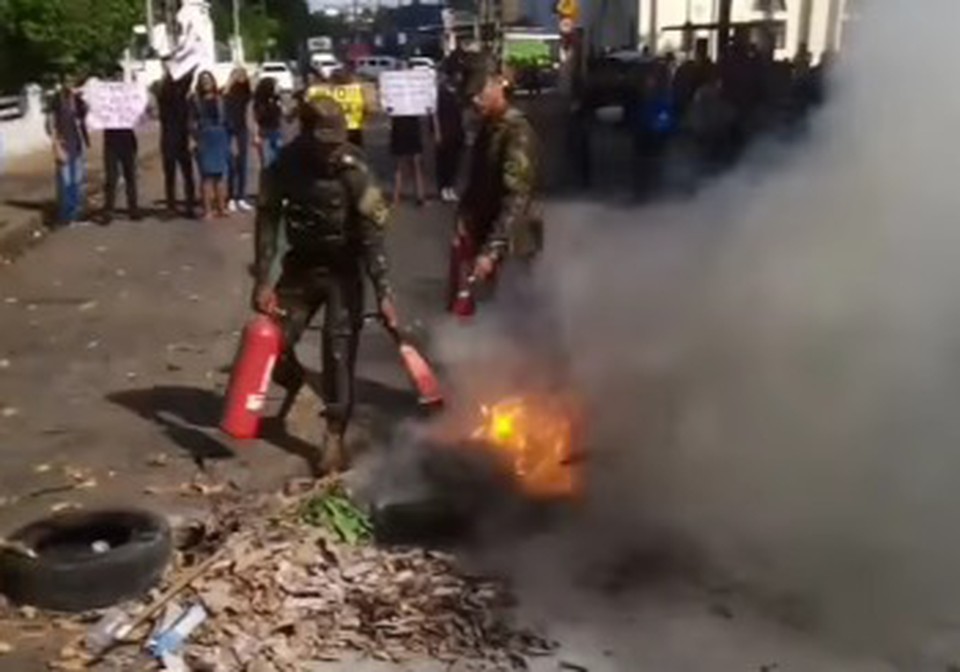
(324, 118)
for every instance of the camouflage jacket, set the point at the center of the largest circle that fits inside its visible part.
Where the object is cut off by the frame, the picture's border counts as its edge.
(282, 187)
(498, 207)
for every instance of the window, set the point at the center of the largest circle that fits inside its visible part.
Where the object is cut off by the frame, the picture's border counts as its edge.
(769, 6)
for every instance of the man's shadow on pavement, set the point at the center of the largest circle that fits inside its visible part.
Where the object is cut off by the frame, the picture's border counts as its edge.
(190, 417)
(187, 415)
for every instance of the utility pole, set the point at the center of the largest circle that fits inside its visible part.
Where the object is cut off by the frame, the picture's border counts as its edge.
(356, 22)
(237, 42)
(149, 23)
(806, 18)
(723, 28)
(654, 31)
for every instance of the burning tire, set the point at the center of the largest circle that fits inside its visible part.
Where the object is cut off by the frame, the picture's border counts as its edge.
(85, 560)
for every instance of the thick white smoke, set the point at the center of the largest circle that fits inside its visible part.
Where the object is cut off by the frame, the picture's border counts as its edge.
(773, 368)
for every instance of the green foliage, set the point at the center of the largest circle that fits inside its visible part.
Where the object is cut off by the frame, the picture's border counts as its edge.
(333, 510)
(260, 30)
(42, 38)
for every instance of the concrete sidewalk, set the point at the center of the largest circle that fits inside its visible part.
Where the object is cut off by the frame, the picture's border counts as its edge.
(28, 190)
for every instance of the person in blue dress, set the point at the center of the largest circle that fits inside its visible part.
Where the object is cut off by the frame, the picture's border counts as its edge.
(211, 144)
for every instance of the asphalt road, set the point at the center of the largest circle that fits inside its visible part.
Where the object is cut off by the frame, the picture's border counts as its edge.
(115, 347)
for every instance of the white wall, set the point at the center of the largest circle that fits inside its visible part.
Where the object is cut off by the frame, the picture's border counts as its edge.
(656, 15)
(25, 134)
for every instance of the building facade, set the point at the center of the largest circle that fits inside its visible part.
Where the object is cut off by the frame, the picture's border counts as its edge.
(676, 25)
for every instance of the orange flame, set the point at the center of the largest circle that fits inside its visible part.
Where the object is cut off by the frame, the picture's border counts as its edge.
(535, 440)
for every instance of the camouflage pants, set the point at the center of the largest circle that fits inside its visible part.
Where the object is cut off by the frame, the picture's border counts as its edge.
(302, 292)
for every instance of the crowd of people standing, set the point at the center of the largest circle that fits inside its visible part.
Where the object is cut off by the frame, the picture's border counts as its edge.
(206, 139)
(208, 132)
(701, 113)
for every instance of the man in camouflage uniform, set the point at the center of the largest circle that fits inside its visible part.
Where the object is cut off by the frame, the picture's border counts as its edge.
(333, 215)
(500, 222)
(498, 213)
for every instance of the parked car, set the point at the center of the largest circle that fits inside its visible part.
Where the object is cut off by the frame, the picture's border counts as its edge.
(421, 63)
(325, 64)
(370, 67)
(281, 72)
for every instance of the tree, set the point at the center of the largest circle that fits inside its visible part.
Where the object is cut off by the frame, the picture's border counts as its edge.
(258, 29)
(40, 39)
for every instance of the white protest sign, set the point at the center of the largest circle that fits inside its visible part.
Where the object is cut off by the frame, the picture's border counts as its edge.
(115, 105)
(408, 93)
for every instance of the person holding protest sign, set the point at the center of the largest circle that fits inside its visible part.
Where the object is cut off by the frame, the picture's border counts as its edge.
(117, 107)
(350, 97)
(406, 144)
(347, 92)
(119, 154)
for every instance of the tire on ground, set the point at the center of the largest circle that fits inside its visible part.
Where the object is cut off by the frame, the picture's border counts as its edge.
(75, 570)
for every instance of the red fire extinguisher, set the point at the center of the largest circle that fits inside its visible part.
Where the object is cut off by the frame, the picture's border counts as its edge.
(460, 300)
(259, 349)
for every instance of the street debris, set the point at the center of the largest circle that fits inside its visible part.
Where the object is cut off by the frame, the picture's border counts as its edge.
(112, 626)
(277, 580)
(117, 626)
(333, 510)
(9, 412)
(89, 305)
(5, 648)
(158, 460)
(61, 507)
(4, 363)
(170, 640)
(319, 593)
(573, 667)
(17, 547)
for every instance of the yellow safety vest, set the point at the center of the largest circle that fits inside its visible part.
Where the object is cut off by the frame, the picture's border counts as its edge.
(350, 97)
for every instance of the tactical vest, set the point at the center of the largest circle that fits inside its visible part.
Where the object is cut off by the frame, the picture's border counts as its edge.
(317, 213)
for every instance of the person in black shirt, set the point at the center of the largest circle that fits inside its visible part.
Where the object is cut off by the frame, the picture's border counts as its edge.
(268, 115)
(448, 125)
(120, 154)
(237, 104)
(174, 112)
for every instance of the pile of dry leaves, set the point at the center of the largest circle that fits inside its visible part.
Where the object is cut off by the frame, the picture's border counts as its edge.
(285, 593)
